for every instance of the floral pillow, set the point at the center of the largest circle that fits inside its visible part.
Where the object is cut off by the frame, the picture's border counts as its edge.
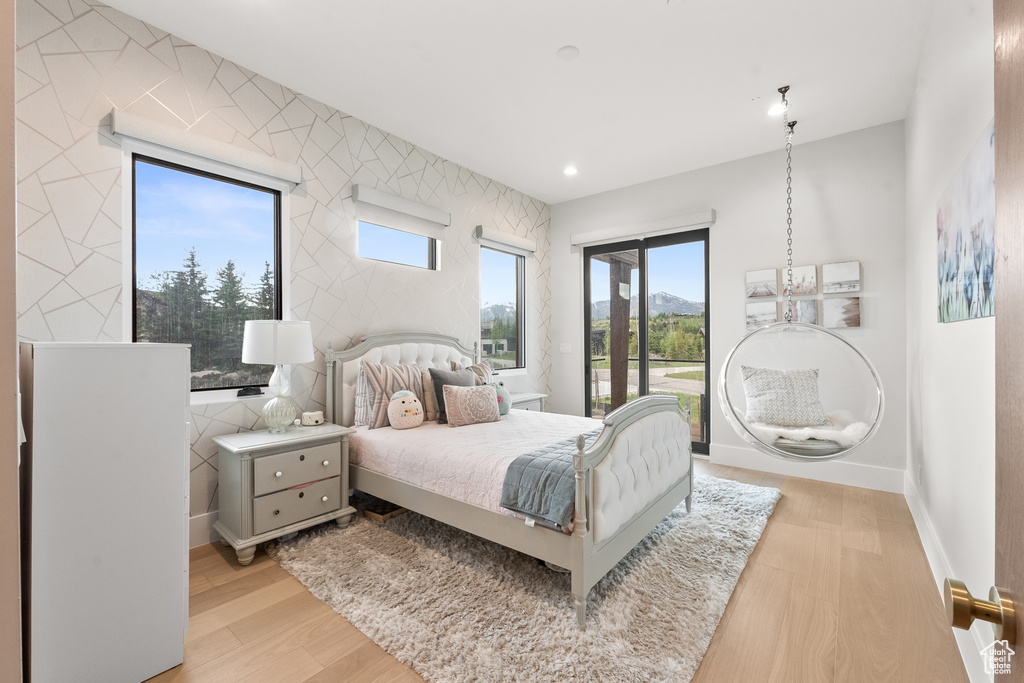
(470, 405)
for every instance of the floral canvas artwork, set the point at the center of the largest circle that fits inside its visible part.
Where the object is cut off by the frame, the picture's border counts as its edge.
(805, 281)
(966, 236)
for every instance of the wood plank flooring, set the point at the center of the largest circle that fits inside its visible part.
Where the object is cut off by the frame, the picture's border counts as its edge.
(838, 589)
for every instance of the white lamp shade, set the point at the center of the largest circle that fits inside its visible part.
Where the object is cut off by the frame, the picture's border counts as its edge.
(277, 342)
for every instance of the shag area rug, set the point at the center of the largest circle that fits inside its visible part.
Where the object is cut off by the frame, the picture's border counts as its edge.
(458, 608)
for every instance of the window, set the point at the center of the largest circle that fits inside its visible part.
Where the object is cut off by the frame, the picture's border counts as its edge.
(502, 308)
(382, 243)
(207, 257)
(646, 326)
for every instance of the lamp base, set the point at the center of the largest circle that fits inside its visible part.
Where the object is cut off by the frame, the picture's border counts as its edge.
(279, 413)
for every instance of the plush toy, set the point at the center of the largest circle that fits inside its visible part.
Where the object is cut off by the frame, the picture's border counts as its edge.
(405, 410)
(504, 397)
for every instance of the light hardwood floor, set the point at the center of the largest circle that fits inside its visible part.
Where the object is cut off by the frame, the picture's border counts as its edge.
(838, 589)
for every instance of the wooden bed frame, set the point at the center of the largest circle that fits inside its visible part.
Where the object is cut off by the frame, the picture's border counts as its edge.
(587, 559)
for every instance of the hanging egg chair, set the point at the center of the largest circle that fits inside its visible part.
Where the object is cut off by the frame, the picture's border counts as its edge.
(798, 391)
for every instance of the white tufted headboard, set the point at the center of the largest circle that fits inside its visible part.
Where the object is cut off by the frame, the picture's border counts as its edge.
(425, 349)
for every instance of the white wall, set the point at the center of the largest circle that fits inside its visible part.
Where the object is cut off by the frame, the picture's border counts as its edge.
(950, 367)
(848, 204)
(76, 61)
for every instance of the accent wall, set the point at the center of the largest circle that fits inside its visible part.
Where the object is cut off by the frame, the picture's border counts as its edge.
(78, 60)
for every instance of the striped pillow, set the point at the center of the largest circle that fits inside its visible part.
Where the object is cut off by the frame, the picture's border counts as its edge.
(384, 380)
(429, 397)
(364, 399)
(482, 370)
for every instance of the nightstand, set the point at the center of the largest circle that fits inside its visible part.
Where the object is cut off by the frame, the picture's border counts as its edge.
(528, 401)
(273, 484)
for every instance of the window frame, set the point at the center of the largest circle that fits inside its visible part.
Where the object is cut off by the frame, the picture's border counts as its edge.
(192, 163)
(431, 247)
(521, 350)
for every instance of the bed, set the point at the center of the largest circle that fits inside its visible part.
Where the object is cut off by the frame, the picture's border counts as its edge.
(638, 468)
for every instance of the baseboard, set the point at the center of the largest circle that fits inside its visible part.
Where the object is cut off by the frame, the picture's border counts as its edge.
(970, 642)
(834, 471)
(200, 530)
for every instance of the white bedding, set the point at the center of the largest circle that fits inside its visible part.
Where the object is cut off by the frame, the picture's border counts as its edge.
(466, 463)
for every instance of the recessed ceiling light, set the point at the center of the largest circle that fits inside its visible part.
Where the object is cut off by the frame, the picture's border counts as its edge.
(570, 170)
(567, 53)
(777, 109)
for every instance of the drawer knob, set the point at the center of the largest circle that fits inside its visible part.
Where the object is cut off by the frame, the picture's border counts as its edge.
(278, 474)
(326, 463)
(324, 499)
(277, 512)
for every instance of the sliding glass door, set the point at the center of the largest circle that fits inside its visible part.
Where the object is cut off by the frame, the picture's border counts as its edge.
(646, 327)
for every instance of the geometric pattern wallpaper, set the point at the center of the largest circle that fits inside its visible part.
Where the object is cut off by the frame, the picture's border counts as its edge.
(77, 60)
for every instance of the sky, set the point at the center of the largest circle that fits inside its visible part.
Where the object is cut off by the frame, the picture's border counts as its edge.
(677, 269)
(388, 244)
(176, 211)
(497, 278)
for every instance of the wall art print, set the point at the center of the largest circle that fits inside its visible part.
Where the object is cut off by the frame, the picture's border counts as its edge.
(805, 281)
(803, 310)
(761, 313)
(762, 283)
(841, 312)
(839, 278)
(966, 236)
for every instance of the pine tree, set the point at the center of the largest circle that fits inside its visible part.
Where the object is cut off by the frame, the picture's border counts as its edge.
(230, 313)
(263, 298)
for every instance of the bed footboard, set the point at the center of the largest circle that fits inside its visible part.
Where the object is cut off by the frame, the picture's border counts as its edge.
(637, 471)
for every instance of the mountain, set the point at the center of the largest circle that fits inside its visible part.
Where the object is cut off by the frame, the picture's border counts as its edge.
(660, 302)
(506, 312)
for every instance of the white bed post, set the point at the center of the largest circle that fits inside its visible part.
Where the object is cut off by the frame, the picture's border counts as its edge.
(329, 402)
(579, 589)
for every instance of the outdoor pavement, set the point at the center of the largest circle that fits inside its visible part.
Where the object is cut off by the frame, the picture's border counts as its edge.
(659, 383)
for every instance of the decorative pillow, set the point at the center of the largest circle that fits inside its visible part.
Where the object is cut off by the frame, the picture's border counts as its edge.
(470, 405)
(440, 378)
(482, 370)
(504, 397)
(364, 399)
(788, 398)
(405, 410)
(383, 381)
(429, 397)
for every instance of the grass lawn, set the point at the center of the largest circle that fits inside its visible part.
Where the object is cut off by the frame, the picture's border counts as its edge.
(693, 374)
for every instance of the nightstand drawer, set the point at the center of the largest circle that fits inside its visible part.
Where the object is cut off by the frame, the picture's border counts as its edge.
(275, 472)
(294, 505)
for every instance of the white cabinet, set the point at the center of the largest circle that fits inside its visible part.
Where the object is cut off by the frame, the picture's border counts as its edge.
(529, 401)
(104, 508)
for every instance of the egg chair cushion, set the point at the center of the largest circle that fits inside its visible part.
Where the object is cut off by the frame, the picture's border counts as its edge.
(787, 398)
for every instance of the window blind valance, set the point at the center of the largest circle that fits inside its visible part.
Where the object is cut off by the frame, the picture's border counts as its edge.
(660, 226)
(391, 211)
(140, 128)
(495, 239)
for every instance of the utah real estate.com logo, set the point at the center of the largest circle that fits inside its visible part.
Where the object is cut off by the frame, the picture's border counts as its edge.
(997, 657)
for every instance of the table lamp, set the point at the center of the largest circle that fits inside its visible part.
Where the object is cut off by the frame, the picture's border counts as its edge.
(278, 343)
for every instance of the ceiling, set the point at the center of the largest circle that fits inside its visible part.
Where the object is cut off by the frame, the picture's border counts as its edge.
(659, 86)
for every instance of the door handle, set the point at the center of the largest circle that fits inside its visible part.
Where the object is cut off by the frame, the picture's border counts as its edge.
(962, 609)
